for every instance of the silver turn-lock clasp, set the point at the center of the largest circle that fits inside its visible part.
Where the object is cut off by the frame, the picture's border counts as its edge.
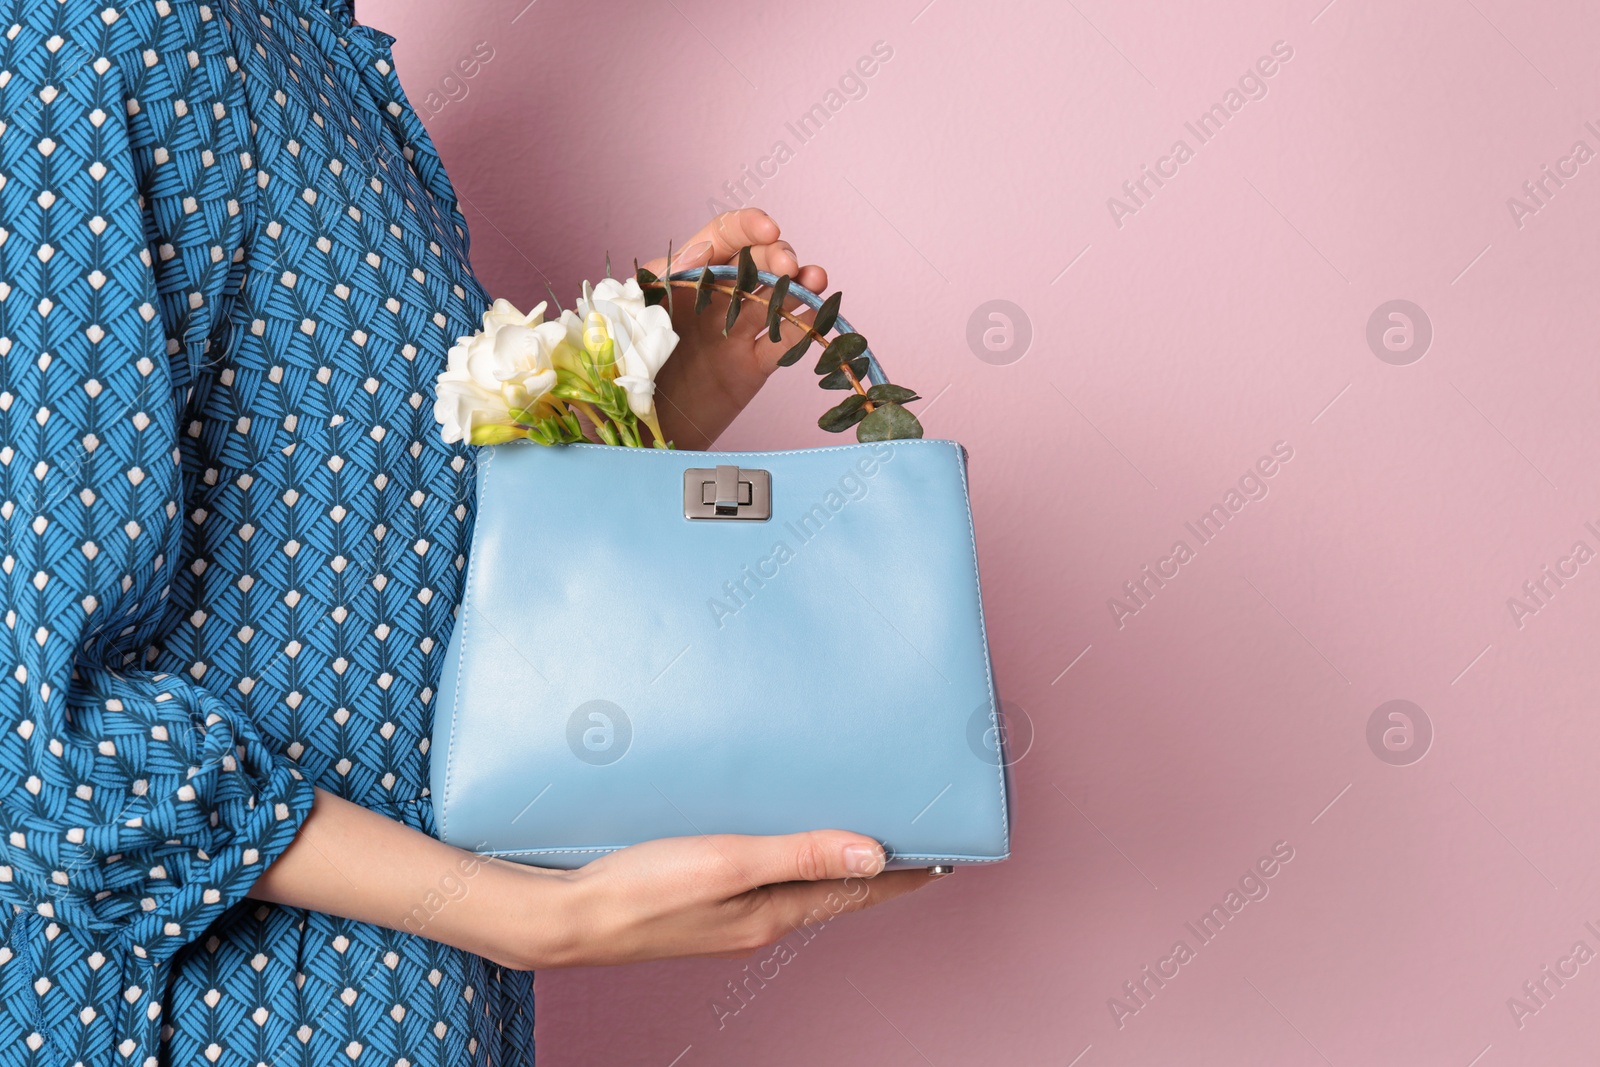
(727, 492)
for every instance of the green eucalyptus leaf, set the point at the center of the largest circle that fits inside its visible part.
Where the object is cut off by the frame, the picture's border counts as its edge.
(837, 379)
(894, 394)
(888, 422)
(827, 314)
(735, 302)
(846, 346)
(780, 291)
(654, 291)
(703, 291)
(844, 415)
(792, 356)
(746, 281)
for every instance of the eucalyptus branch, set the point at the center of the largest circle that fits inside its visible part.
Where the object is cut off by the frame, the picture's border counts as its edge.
(877, 411)
(805, 327)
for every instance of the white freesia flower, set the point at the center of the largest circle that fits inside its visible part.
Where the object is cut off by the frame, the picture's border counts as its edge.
(641, 392)
(643, 336)
(495, 375)
(463, 406)
(522, 364)
(521, 376)
(504, 313)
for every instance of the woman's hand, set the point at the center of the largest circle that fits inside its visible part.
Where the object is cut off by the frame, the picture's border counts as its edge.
(720, 896)
(710, 378)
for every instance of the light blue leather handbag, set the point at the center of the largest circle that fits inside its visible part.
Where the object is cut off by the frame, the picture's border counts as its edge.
(657, 643)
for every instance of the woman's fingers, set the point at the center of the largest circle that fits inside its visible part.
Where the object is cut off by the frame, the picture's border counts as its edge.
(779, 258)
(776, 258)
(797, 902)
(812, 277)
(718, 241)
(721, 895)
(697, 254)
(781, 909)
(793, 879)
(812, 856)
(732, 230)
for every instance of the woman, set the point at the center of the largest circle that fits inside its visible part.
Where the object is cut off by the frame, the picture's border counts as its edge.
(230, 267)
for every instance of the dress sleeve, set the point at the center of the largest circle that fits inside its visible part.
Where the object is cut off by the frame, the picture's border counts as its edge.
(131, 801)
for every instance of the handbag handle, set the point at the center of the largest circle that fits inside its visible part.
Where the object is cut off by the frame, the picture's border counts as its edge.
(875, 374)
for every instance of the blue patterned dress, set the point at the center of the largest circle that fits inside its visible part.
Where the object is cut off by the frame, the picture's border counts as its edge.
(230, 267)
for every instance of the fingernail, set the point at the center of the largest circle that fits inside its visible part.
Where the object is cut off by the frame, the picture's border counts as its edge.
(692, 255)
(863, 860)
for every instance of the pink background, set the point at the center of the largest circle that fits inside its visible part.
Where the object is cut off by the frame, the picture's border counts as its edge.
(1168, 354)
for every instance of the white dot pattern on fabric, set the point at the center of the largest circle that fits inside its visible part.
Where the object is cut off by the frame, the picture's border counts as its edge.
(230, 267)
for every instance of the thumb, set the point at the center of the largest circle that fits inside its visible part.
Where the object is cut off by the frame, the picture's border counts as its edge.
(812, 856)
(698, 254)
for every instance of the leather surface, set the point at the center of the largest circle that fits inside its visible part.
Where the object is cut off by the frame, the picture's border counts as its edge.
(620, 673)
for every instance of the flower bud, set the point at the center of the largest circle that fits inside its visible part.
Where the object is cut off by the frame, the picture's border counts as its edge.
(595, 335)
